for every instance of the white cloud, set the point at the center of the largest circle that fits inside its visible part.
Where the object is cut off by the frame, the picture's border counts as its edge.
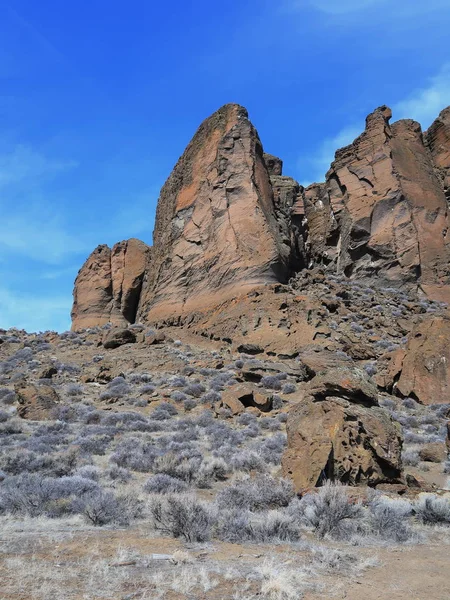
(34, 312)
(387, 8)
(425, 104)
(319, 163)
(33, 234)
(422, 105)
(31, 225)
(23, 165)
(338, 7)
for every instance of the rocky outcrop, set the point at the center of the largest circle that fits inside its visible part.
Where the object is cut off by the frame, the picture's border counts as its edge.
(240, 397)
(108, 286)
(321, 240)
(36, 402)
(92, 294)
(382, 210)
(437, 139)
(216, 234)
(229, 221)
(336, 433)
(274, 164)
(421, 370)
(130, 260)
(118, 337)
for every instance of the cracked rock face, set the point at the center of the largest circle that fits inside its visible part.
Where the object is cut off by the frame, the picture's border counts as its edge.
(335, 434)
(216, 234)
(437, 139)
(421, 370)
(339, 441)
(382, 209)
(108, 285)
(229, 221)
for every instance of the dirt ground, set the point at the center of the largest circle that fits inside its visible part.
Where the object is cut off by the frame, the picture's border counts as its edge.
(65, 563)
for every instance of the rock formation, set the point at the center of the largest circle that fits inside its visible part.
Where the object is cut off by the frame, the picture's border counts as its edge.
(336, 432)
(421, 370)
(382, 210)
(216, 234)
(36, 402)
(116, 337)
(437, 139)
(228, 221)
(108, 286)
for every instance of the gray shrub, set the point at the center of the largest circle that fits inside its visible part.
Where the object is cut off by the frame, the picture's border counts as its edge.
(101, 507)
(183, 516)
(164, 484)
(410, 457)
(432, 509)
(271, 382)
(389, 518)
(194, 389)
(330, 512)
(260, 493)
(242, 526)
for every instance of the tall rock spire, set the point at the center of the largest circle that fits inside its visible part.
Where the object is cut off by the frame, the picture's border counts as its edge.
(216, 233)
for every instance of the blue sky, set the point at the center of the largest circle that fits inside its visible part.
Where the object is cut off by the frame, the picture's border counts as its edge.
(98, 99)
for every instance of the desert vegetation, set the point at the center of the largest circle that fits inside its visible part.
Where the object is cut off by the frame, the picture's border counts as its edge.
(154, 450)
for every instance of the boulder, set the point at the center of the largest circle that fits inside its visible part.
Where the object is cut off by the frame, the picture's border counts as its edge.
(47, 372)
(255, 372)
(118, 337)
(345, 383)
(239, 397)
(317, 359)
(337, 432)
(435, 452)
(155, 338)
(250, 349)
(341, 441)
(389, 369)
(36, 402)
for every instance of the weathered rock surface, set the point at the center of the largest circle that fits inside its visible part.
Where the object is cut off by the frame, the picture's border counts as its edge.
(108, 286)
(130, 260)
(118, 337)
(420, 370)
(216, 233)
(337, 432)
(36, 402)
(345, 383)
(274, 164)
(340, 441)
(382, 210)
(424, 373)
(438, 141)
(92, 294)
(243, 396)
